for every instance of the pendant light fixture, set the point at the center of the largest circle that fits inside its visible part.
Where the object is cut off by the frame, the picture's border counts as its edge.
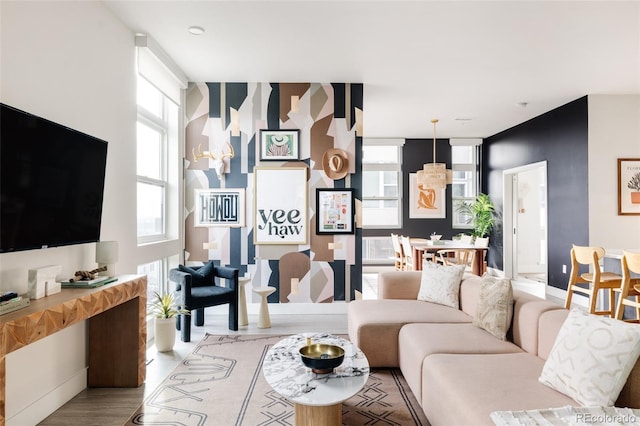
(434, 175)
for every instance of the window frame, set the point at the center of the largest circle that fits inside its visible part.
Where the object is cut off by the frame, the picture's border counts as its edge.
(474, 168)
(163, 126)
(385, 167)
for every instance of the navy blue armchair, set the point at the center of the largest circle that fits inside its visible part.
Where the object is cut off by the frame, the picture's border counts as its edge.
(196, 289)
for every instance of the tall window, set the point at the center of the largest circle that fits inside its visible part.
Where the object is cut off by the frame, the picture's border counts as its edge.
(464, 164)
(157, 128)
(382, 183)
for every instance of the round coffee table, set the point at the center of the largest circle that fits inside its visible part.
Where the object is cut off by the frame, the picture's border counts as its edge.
(317, 398)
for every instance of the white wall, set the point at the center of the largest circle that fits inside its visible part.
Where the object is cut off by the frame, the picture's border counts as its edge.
(73, 63)
(614, 132)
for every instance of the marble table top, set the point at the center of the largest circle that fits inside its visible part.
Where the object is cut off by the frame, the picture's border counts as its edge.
(284, 371)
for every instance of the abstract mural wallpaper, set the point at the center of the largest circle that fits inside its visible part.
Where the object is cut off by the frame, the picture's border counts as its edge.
(223, 142)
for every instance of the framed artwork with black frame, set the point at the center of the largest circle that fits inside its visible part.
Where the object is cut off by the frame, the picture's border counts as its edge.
(279, 145)
(335, 211)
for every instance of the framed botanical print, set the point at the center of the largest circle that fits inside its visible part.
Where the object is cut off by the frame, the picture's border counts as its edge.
(280, 205)
(279, 144)
(334, 211)
(628, 186)
(219, 207)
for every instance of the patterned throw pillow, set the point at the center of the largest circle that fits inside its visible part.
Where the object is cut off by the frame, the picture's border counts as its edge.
(201, 276)
(591, 358)
(441, 284)
(495, 306)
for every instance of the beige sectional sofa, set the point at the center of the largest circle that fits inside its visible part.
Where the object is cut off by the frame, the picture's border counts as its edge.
(459, 372)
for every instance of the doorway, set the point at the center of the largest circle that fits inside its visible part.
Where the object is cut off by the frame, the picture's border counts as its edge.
(525, 222)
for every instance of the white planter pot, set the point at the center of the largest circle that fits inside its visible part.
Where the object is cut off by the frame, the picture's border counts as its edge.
(165, 329)
(482, 242)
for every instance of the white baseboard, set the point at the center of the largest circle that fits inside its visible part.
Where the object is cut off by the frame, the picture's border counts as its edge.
(43, 407)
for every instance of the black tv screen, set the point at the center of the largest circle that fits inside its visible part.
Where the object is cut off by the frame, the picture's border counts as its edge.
(51, 183)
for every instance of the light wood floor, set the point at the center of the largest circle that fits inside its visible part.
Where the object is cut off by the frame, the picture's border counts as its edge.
(113, 406)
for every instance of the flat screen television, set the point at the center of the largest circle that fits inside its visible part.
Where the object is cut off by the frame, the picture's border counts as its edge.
(51, 183)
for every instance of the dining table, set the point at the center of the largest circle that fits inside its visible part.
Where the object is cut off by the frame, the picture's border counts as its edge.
(423, 245)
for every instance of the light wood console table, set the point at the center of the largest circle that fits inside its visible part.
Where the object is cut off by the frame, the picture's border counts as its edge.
(117, 330)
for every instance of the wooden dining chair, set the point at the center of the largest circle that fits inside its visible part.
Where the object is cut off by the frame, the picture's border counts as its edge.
(630, 264)
(457, 256)
(595, 280)
(397, 252)
(407, 251)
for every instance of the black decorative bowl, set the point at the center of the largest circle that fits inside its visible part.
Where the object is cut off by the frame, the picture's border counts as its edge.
(321, 358)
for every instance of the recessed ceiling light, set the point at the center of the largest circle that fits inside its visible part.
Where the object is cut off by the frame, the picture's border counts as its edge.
(196, 30)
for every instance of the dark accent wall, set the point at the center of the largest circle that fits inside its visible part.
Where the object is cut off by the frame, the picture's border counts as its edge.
(559, 137)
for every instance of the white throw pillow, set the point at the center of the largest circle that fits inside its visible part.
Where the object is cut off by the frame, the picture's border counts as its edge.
(495, 306)
(591, 358)
(441, 284)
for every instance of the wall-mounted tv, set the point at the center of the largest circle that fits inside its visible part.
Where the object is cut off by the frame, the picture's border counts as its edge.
(51, 183)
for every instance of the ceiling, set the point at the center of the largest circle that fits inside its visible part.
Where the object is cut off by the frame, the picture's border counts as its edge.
(479, 67)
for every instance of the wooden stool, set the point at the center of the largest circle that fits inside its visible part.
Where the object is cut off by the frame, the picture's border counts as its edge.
(263, 319)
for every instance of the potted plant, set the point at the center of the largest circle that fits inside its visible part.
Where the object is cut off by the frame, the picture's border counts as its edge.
(164, 310)
(481, 213)
(634, 186)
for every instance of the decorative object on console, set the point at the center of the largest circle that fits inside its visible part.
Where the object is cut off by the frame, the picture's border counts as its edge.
(97, 282)
(628, 186)
(335, 163)
(441, 284)
(86, 275)
(14, 304)
(42, 281)
(592, 349)
(106, 257)
(279, 144)
(434, 175)
(495, 306)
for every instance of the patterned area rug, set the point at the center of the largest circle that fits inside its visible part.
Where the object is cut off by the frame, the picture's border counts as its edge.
(221, 383)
